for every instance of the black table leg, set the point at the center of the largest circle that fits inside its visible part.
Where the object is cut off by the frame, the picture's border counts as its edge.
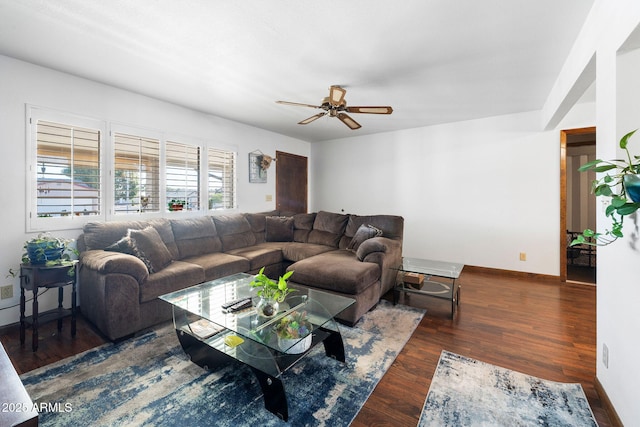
(275, 399)
(34, 326)
(22, 317)
(333, 345)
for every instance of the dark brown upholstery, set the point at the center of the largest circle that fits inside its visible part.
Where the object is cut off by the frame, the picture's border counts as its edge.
(119, 292)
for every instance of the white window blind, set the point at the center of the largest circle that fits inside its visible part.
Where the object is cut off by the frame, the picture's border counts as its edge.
(221, 165)
(182, 176)
(68, 170)
(136, 180)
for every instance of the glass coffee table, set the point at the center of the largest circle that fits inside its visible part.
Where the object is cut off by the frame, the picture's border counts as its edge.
(212, 337)
(446, 287)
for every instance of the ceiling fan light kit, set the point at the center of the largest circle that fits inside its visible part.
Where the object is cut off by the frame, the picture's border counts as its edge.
(335, 105)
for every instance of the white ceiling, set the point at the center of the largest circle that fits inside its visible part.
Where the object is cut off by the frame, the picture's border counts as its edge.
(433, 61)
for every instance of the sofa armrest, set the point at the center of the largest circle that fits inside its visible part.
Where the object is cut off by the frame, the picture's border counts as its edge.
(106, 262)
(377, 244)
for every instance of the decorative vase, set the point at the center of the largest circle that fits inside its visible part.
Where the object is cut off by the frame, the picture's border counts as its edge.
(267, 307)
(632, 187)
(294, 345)
(39, 253)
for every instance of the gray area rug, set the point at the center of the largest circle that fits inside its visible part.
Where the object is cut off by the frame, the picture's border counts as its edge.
(148, 380)
(467, 392)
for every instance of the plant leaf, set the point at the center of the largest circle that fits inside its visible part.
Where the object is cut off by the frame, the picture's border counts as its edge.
(625, 139)
(627, 208)
(604, 168)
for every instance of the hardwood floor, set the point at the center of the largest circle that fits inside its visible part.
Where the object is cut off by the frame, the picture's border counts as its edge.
(536, 326)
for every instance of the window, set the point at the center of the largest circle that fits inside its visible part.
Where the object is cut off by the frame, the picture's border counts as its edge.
(136, 174)
(182, 176)
(64, 183)
(76, 175)
(221, 179)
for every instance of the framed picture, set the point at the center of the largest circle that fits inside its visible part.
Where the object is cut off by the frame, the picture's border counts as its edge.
(256, 172)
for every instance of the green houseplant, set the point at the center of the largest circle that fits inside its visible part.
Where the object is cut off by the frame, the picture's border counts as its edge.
(49, 250)
(176, 204)
(621, 182)
(271, 293)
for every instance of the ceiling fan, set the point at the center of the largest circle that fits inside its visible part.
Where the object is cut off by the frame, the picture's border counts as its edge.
(335, 106)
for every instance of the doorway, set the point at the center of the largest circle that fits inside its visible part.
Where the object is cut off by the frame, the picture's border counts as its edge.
(577, 204)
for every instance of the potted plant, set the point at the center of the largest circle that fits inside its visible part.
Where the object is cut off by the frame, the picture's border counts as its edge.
(294, 333)
(176, 205)
(49, 250)
(271, 293)
(622, 183)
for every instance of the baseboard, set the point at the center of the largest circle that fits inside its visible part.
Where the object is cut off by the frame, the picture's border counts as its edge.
(511, 273)
(606, 404)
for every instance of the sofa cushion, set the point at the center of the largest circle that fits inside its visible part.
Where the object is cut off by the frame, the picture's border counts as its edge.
(234, 231)
(258, 224)
(219, 264)
(302, 226)
(328, 228)
(392, 226)
(296, 251)
(99, 235)
(149, 247)
(123, 246)
(337, 270)
(176, 276)
(365, 232)
(259, 255)
(195, 236)
(279, 229)
(164, 229)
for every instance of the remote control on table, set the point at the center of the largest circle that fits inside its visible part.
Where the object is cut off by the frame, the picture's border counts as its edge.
(240, 306)
(234, 302)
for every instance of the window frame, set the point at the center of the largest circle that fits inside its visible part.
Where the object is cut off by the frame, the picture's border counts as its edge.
(136, 131)
(202, 165)
(35, 114)
(229, 149)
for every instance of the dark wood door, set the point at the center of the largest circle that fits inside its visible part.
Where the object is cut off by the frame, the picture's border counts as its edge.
(291, 182)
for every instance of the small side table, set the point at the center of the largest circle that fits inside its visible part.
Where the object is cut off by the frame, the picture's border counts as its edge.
(446, 271)
(34, 276)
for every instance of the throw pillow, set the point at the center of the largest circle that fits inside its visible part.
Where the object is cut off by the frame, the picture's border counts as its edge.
(279, 229)
(123, 245)
(364, 232)
(149, 247)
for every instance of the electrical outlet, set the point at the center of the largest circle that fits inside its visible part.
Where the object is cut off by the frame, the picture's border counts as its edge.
(6, 292)
(268, 198)
(605, 356)
(523, 256)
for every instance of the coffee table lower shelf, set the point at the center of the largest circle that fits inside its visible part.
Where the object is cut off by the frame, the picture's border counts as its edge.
(266, 364)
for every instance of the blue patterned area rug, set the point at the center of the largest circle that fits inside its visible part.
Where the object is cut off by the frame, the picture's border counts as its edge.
(148, 380)
(467, 392)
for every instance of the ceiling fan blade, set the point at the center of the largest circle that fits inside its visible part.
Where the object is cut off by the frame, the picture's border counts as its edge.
(312, 118)
(336, 96)
(370, 110)
(297, 104)
(349, 121)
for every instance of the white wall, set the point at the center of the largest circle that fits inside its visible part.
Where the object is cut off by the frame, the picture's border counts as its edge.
(22, 83)
(477, 192)
(609, 26)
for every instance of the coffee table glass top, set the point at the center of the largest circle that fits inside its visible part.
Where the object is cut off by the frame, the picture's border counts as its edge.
(205, 301)
(451, 270)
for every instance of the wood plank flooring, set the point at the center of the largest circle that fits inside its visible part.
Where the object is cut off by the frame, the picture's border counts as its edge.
(539, 327)
(536, 326)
